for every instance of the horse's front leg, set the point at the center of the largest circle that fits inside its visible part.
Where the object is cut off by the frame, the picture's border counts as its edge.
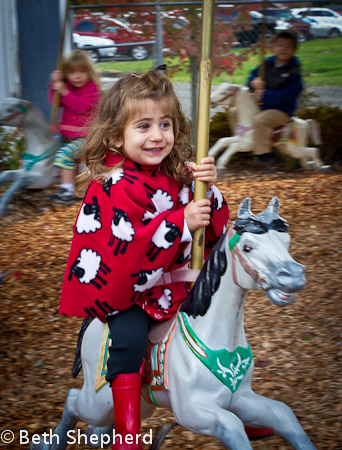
(206, 417)
(68, 422)
(240, 145)
(20, 180)
(258, 411)
(220, 145)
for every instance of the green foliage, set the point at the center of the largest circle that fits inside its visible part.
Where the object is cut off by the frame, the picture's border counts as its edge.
(329, 119)
(11, 148)
(219, 127)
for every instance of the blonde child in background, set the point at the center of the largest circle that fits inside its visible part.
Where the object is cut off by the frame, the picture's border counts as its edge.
(78, 86)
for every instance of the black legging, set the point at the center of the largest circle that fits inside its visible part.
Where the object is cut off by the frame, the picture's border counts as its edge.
(129, 333)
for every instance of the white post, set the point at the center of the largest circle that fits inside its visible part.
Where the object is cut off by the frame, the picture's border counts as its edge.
(9, 67)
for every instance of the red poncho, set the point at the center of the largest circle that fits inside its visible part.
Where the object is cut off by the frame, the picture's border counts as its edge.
(129, 231)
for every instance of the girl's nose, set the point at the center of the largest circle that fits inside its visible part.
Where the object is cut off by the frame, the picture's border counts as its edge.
(156, 134)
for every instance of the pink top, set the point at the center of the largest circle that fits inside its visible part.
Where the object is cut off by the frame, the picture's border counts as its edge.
(78, 107)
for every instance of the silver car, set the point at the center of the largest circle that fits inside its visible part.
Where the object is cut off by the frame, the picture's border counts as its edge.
(324, 21)
(89, 43)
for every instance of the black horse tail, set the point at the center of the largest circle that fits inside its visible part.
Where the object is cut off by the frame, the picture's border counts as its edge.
(77, 362)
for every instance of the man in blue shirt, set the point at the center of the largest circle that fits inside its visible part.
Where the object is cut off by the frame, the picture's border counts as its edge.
(277, 90)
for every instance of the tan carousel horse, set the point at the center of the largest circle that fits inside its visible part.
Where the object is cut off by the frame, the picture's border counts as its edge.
(291, 139)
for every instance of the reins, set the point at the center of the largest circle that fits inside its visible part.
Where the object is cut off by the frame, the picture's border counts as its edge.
(237, 254)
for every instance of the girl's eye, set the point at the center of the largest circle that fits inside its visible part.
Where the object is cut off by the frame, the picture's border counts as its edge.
(247, 248)
(143, 126)
(166, 125)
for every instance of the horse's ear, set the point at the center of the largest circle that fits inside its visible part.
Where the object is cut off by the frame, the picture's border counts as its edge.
(245, 208)
(273, 206)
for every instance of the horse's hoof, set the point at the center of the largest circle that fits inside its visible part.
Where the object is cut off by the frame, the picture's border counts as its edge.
(325, 169)
(160, 436)
(41, 446)
(310, 165)
(3, 212)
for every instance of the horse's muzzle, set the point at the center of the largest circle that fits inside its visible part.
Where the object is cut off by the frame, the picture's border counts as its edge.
(291, 277)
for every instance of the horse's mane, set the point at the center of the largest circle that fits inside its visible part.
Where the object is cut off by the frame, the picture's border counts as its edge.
(208, 281)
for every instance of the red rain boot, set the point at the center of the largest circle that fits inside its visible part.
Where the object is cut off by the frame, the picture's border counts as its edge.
(255, 434)
(126, 396)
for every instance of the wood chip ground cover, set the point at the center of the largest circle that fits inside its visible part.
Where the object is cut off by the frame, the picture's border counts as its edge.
(298, 349)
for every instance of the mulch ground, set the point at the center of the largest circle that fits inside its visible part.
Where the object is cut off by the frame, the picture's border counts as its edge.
(297, 349)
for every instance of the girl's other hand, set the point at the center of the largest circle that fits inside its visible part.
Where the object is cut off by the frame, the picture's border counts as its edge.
(197, 214)
(206, 171)
(56, 76)
(57, 82)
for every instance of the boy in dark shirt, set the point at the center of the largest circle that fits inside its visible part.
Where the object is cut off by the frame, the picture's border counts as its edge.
(277, 91)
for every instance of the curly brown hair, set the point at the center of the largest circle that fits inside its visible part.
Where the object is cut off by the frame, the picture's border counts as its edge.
(117, 107)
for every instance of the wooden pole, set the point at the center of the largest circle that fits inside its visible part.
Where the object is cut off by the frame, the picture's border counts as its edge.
(205, 75)
(56, 96)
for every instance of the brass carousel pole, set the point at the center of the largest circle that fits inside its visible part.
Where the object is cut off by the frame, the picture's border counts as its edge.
(202, 140)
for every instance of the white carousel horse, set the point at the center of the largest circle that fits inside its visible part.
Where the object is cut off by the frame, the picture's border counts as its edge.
(292, 140)
(37, 171)
(209, 366)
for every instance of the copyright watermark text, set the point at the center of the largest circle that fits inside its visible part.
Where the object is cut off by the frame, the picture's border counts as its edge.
(73, 437)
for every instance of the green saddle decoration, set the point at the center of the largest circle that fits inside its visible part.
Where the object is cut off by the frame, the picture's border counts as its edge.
(229, 367)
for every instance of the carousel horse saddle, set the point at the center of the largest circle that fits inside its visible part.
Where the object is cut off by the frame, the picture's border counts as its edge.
(278, 132)
(157, 334)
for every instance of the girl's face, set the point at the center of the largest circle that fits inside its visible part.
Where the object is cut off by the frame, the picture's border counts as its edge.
(77, 77)
(148, 136)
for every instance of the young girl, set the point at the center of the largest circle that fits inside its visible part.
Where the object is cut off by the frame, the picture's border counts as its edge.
(78, 87)
(133, 232)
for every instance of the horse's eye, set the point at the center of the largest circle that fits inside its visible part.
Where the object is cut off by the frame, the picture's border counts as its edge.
(247, 248)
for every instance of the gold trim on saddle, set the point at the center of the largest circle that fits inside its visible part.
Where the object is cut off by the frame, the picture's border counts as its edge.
(102, 370)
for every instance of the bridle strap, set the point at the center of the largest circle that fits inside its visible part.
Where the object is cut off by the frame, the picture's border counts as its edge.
(238, 254)
(22, 110)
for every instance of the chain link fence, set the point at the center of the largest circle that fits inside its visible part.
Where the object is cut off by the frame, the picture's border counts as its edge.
(125, 38)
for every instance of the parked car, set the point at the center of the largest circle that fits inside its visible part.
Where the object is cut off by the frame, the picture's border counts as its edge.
(117, 30)
(286, 20)
(330, 21)
(323, 30)
(247, 27)
(96, 54)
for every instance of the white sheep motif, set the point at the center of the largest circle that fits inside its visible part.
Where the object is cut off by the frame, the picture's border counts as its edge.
(165, 300)
(183, 195)
(162, 201)
(122, 229)
(146, 280)
(87, 266)
(218, 198)
(115, 177)
(89, 218)
(163, 238)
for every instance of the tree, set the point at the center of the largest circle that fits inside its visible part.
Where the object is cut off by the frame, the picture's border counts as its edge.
(182, 35)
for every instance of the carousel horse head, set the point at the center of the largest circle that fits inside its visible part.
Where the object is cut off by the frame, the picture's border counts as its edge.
(37, 170)
(13, 111)
(263, 252)
(225, 94)
(257, 248)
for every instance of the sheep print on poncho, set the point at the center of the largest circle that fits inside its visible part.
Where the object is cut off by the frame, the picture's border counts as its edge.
(128, 233)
